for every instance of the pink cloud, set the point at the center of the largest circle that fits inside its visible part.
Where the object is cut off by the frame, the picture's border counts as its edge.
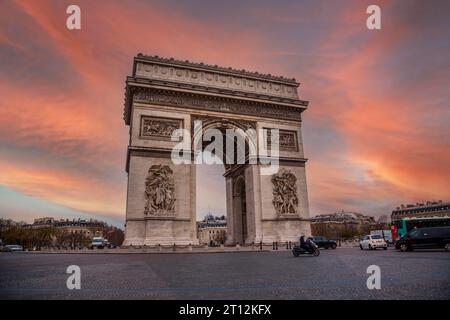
(385, 149)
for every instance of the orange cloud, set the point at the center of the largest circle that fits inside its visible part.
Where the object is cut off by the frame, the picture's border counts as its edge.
(78, 192)
(80, 128)
(378, 111)
(112, 34)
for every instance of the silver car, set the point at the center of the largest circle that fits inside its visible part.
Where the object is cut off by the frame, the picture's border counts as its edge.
(12, 248)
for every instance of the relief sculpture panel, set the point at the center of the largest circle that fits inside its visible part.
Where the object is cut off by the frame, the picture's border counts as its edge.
(159, 128)
(160, 191)
(285, 198)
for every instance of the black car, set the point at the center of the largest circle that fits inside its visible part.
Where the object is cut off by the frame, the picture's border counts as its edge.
(425, 238)
(323, 242)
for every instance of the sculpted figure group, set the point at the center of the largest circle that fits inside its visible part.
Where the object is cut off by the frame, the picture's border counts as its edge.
(285, 198)
(159, 191)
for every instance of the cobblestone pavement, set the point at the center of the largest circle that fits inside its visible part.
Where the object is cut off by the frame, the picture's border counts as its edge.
(335, 274)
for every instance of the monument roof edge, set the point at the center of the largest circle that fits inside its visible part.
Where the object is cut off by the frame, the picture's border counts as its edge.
(215, 68)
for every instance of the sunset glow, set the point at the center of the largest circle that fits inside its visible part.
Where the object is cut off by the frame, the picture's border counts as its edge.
(376, 133)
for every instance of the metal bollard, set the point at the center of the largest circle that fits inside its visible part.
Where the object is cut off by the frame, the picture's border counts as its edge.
(260, 245)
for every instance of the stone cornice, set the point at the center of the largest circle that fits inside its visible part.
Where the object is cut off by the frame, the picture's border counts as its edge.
(168, 85)
(209, 78)
(136, 91)
(213, 68)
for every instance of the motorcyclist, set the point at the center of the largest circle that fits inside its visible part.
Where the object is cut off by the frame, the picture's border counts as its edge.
(307, 244)
(311, 245)
(302, 241)
(303, 244)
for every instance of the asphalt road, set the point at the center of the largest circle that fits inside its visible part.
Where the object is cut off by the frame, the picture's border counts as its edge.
(335, 274)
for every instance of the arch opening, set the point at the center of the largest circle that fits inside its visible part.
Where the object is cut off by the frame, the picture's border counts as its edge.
(229, 194)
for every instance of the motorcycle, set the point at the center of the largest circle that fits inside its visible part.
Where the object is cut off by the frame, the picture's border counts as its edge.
(297, 250)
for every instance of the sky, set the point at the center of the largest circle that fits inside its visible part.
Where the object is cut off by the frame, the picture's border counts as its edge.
(376, 133)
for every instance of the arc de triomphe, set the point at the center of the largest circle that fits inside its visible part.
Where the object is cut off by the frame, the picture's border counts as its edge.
(164, 95)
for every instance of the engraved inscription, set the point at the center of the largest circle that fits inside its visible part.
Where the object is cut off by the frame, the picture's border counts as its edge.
(287, 140)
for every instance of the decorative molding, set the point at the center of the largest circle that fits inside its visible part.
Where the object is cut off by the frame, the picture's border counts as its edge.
(208, 103)
(287, 139)
(165, 218)
(159, 128)
(150, 152)
(214, 68)
(284, 191)
(226, 122)
(215, 80)
(160, 191)
(224, 92)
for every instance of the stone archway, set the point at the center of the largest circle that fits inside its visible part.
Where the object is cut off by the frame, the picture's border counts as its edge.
(165, 95)
(237, 231)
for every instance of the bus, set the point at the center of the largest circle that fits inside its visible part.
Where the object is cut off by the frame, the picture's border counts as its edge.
(402, 227)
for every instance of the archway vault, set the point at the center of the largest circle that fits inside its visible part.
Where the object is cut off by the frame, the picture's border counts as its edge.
(164, 95)
(239, 141)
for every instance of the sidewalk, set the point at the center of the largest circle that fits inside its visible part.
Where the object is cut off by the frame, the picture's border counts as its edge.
(153, 250)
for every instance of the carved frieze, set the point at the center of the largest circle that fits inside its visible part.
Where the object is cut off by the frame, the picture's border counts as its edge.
(210, 103)
(285, 198)
(160, 191)
(159, 128)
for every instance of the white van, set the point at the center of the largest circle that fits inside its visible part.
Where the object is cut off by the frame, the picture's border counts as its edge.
(98, 242)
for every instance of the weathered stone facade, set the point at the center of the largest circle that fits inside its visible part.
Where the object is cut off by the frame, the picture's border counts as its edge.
(164, 95)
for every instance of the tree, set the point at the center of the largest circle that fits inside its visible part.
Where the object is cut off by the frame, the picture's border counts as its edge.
(383, 220)
(43, 237)
(321, 229)
(66, 239)
(114, 235)
(12, 232)
(348, 231)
